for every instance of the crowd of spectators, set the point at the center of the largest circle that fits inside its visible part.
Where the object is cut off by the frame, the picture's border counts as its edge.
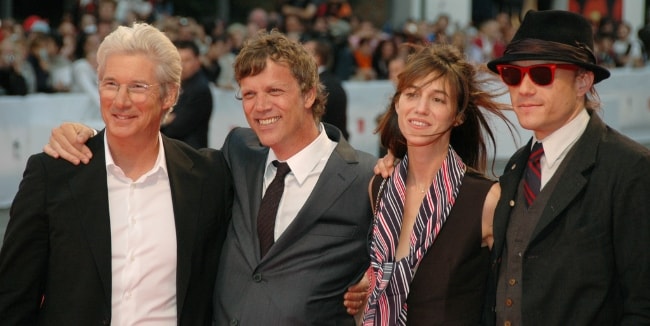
(36, 57)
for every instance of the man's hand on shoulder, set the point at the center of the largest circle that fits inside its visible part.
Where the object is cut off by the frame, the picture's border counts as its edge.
(67, 141)
(386, 165)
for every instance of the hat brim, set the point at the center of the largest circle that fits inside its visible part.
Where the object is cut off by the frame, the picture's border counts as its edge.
(600, 73)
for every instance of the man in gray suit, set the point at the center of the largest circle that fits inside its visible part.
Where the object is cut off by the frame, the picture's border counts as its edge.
(319, 241)
(320, 234)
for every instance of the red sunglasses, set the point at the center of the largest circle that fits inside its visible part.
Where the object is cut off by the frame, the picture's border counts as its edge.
(542, 74)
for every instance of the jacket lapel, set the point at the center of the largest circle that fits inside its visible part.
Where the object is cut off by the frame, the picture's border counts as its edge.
(254, 183)
(91, 193)
(334, 179)
(581, 159)
(250, 193)
(186, 187)
(509, 182)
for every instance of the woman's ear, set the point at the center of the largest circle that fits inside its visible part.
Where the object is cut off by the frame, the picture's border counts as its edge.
(459, 120)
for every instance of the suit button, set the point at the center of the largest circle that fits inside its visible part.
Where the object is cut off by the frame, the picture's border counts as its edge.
(234, 322)
(509, 302)
(507, 323)
(512, 282)
(257, 278)
(511, 203)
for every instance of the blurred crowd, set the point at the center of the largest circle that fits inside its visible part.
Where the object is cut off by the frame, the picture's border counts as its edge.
(39, 58)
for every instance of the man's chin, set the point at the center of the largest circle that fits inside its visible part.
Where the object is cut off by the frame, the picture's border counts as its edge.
(267, 138)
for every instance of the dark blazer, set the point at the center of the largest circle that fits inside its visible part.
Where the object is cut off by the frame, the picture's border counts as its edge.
(302, 279)
(588, 260)
(192, 112)
(336, 108)
(55, 265)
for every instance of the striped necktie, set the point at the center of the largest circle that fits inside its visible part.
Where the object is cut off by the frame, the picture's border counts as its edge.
(533, 176)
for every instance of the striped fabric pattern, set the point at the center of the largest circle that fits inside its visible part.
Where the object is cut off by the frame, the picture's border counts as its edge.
(533, 175)
(391, 279)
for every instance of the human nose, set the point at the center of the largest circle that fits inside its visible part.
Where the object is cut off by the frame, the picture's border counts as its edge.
(527, 85)
(422, 105)
(261, 101)
(122, 95)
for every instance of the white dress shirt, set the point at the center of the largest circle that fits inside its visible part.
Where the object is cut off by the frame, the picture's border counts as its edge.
(559, 143)
(143, 245)
(306, 167)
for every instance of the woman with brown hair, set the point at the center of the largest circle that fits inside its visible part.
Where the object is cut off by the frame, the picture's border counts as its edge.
(433, 216)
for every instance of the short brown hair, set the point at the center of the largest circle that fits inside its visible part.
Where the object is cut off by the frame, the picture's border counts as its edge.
(277, 47)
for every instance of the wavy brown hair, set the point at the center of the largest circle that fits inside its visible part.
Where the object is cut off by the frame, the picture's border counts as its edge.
(277, 47)
(471, 100)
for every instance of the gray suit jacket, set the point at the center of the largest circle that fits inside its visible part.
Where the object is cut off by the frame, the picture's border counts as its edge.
(588, 261)
(302, 279)
(55, 264)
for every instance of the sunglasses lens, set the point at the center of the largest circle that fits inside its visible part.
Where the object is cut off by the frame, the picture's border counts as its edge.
(511, 75)
(541, 75)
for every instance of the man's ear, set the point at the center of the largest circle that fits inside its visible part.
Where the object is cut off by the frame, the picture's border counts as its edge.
(584, 81)
(172, 96)
(310, 97)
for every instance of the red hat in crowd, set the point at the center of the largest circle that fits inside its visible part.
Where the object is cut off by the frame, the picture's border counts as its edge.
(35, 23)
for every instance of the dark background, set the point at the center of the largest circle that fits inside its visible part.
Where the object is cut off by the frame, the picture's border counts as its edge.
(377, 11)
(202, 10)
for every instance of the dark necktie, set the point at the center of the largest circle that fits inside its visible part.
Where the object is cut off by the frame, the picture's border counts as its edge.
(269, 207)
(533, 177)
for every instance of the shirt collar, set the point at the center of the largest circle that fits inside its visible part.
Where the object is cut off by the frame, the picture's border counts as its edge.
(159, 166)
(303, 162)
(560, 141)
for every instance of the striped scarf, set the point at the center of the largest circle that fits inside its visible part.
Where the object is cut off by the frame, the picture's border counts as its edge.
(390, 280)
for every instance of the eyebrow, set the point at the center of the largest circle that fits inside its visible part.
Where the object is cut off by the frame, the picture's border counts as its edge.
(136, 81)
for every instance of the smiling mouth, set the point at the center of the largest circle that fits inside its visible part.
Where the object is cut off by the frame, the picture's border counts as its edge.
(269, 121)
(122, 117)
(418, 123)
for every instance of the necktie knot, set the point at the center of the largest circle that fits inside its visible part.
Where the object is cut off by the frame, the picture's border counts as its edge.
(536, 152)
(282, 169)
(533, 174)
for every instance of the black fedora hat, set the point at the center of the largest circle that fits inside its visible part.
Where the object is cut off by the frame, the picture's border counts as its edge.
(560, 27)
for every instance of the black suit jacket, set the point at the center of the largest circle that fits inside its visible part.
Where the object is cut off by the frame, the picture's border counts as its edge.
(192, 112)
(336, 108)
(55, 264)
(588, 260)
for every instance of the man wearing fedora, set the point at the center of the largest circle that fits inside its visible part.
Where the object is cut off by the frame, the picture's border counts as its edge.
(572, 227)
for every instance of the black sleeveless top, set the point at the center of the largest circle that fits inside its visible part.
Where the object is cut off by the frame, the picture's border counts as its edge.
(449, 285)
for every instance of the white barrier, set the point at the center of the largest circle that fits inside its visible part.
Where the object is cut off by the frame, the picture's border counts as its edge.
(25, 122)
